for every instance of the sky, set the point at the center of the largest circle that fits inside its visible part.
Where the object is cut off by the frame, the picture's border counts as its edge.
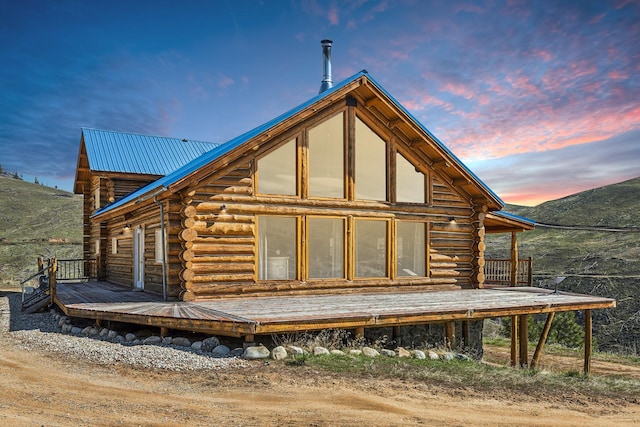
(540, 99)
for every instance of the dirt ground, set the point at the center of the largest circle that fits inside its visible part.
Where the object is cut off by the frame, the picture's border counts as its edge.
(39, 389)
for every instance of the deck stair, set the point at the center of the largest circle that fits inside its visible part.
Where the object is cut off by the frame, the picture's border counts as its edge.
(35, 298)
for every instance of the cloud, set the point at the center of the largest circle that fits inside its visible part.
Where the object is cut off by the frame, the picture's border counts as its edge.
(532, 178)
(332, 15)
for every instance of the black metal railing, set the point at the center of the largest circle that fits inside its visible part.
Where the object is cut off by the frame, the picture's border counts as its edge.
(76, 269)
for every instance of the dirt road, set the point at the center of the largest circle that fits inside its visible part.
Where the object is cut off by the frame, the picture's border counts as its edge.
(35, 389)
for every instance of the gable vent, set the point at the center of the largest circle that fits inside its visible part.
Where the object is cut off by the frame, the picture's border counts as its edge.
(327, 82)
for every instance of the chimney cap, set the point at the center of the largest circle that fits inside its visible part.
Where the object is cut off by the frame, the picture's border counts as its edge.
(326, 41)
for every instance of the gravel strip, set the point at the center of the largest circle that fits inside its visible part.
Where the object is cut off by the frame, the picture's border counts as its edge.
(40, 332)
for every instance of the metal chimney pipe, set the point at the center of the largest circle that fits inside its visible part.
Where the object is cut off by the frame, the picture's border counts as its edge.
(327, 82)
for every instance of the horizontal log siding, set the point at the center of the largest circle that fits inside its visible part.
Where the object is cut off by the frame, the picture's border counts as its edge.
(451, 249)
(218, 247)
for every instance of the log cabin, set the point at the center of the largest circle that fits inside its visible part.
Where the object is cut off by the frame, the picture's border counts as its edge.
(345, 195)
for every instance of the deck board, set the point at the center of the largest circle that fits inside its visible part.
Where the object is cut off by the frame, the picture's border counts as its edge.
(255, 315)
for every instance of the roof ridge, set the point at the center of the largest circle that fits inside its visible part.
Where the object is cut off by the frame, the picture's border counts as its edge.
(149, 135)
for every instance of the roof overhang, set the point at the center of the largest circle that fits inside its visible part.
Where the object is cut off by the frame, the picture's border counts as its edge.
(504, 222)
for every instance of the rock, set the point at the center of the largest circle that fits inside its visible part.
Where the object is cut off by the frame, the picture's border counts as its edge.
(256, 352)
(448, 356)
(210, 343)
(112, 334)
(279, 353)
(197, 345)
(153, 339)
(86, 330)
(463, 357)
(119, 338)
(221, 351)
(237, 352)
(166, 340)
(104, 332)
(63, 320)
(320, 351)
(370, 352)
(355, 352)
(137, 341)
(433, 355)
(130, 337)
(418, 354)
(402, 352)
(295, 350)
(181, 341)
(387, 352)
(336, 352)
(75, 330)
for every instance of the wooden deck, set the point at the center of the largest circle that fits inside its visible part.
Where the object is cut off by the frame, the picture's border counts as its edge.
(248, 316)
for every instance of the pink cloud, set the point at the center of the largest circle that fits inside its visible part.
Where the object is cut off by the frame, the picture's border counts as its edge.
(458, 89)
(332, 16)
(225, 82)
(617, 75)
(545, 55)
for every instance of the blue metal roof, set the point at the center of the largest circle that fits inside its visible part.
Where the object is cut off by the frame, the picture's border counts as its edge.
(509, 215)
(110, 151)
(219, 151)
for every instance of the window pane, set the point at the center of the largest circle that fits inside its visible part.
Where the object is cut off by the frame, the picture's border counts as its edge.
(326, 248)
(371, 248)
(371, 176)
(276, 248)
(326, 158)
(277, 171)
(410, 249)
(409, 182)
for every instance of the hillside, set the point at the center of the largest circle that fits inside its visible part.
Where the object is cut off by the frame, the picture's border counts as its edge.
(601, 263)
(35, 220)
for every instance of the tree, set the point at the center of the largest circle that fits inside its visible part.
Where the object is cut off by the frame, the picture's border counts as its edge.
(35, 181)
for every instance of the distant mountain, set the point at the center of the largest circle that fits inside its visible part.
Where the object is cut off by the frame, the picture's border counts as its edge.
(616, 205)
(36, 220)
(594, 261)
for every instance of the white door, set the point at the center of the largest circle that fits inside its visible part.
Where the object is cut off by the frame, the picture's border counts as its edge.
(138, 258)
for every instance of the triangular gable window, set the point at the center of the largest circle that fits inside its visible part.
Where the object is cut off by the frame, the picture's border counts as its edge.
(410, 183)
(277, 171)
(326, 158)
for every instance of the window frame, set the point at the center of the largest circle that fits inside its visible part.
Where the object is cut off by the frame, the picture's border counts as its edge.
(307, 247)
(427, 249)
(388, 265)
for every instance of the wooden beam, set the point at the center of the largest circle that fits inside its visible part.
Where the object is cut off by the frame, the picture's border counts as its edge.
(359, 332)
(450, 332)
(466, 335)
(524, 340)
(514, 259)
(514, 340)
(543, 338)
(588, 341)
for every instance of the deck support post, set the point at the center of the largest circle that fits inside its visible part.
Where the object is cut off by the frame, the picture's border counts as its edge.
(514, 340)
(450, 332)
(524, 340)
(513, 273)
(397, 336)
(588, 342)
(543, 339)
(359, 332)
(466, 334)
(164, 331)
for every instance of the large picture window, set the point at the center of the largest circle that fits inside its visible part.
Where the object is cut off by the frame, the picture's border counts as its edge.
(326, 158)
(409, 182)
(370, 248)
(371, 164)
(325, 239)
(277, 240)
(410, 249)
(277, 171)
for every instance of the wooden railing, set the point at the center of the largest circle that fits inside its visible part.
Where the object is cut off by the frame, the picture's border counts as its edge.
(498, 271)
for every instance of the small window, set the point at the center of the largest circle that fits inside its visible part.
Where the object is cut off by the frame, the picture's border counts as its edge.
(96, 197)
(410, 249)
(409, 182)
(371, 248)
(325, 239)
(159, 247)
(114, 245)
(277, 171)
(326, 158)
(277, 249)
(371, 164)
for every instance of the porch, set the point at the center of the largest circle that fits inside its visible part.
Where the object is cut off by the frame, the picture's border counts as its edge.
(250, 316)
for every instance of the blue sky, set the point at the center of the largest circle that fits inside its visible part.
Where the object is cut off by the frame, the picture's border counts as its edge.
(540, 99)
